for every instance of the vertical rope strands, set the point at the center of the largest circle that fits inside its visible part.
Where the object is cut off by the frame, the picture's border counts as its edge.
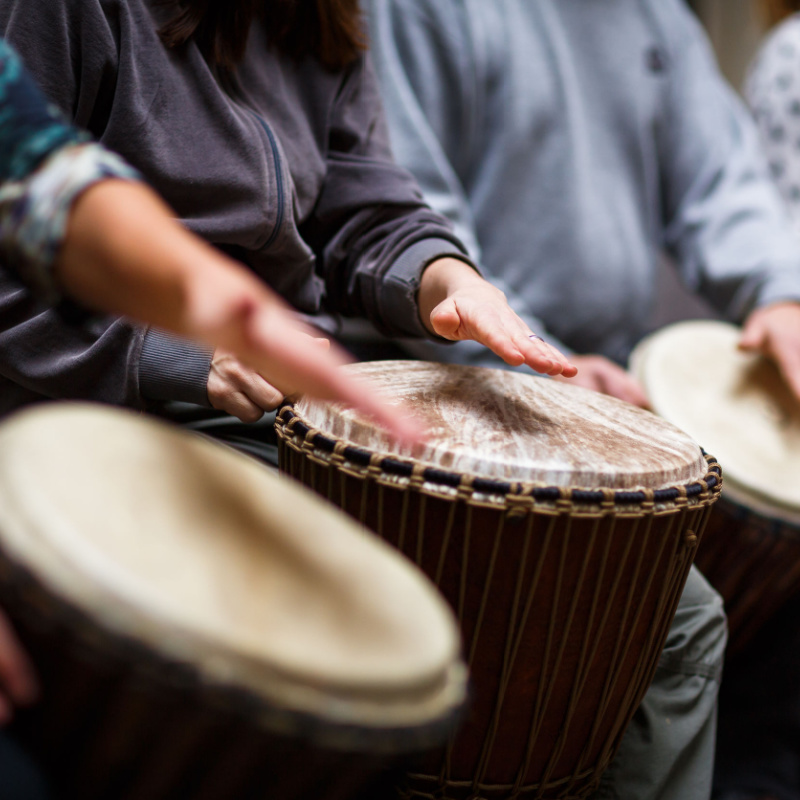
(563, 613)
(487, 586)
(607, 519)
(547, 678)
(644, 538)
(571, 706)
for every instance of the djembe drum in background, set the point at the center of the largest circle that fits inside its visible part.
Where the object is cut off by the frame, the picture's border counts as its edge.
(738, 406)
(203, 628)
(561, 526)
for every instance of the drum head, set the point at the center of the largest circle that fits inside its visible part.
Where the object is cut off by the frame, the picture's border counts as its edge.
(735, 404)
(514, 427)
(205, 556)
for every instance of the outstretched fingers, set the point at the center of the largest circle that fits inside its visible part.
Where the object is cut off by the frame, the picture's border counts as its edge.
(487, 318)
(296, 362)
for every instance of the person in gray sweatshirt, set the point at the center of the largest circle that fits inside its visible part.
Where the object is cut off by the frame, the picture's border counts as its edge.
(260, 125)
(573, 144)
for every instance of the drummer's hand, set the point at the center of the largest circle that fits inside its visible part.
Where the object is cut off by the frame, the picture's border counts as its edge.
(239, 390)
(457, 303)
(18, 685)
(774, 331)
(602, 375)
(295, 361)
(124, 253)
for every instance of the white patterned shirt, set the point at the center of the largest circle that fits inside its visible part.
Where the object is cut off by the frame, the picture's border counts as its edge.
(773, 92)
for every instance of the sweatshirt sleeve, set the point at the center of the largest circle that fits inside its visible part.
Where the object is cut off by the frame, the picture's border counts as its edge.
(372, 231)
(70, 47)
(432, 83)
(724, 219)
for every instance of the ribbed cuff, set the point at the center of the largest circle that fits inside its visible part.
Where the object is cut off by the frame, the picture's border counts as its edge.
(398, 292)
(171, 368)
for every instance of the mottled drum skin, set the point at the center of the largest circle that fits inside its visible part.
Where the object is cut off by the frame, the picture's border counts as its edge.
(560, 524)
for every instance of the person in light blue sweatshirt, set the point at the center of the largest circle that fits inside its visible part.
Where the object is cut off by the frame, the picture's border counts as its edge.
(573, 143)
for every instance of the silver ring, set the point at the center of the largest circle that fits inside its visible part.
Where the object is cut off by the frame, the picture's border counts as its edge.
(536, 337)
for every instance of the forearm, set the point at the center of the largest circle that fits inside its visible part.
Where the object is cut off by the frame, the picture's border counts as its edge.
(125, 254)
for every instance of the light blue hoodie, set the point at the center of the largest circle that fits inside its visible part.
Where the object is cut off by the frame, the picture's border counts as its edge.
(571, 141)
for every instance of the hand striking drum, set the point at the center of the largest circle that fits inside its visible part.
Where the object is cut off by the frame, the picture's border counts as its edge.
(738, 405)
(203, 629)
(561, 526)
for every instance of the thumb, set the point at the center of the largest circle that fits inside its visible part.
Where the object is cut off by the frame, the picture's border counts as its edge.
(445, 319)
(753, 336)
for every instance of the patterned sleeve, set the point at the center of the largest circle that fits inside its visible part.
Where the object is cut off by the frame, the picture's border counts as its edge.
(773, 92)
(45, 164)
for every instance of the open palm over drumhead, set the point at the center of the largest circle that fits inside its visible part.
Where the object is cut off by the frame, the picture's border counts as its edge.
(456, 303)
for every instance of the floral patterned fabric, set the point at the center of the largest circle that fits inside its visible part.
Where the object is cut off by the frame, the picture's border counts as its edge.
(45, 163)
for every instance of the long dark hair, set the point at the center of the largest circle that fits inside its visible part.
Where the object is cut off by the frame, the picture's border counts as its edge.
(330, 30)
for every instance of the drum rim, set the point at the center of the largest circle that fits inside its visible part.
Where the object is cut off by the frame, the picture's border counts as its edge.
(738, 488)
(290, 425)
(89, 638)
(395, 718)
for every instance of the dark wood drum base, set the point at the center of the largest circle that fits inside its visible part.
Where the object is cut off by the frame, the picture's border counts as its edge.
(119, 723)
(754, 563)
(564, 597)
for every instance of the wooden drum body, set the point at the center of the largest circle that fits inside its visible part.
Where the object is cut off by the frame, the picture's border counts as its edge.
(738, 406)
(559, 524)
(203, 628)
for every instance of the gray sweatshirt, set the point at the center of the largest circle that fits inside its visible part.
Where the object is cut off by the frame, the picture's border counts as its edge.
(571, 142)
(285, 166)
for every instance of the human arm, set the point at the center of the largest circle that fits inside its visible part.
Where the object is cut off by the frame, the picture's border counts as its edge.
(728, 225)
(379, 245)
(43, 355)
(74, 220)
(771, 91)
(725, 223)
(434, 85)
(124, 253)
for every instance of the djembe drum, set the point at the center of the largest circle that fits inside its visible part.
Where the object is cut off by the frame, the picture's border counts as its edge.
(738, 406)
(203, 628)
(561, 526)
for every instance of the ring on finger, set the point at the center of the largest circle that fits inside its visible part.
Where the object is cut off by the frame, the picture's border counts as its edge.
(536, 337)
